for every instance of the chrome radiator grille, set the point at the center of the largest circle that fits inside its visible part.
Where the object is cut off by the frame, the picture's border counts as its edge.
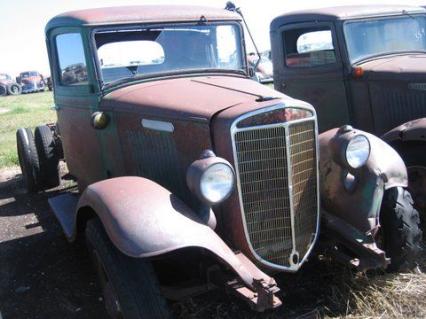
(280, 210)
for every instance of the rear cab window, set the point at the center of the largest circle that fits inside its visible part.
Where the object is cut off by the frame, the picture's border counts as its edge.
(71, 59)
(309, 47)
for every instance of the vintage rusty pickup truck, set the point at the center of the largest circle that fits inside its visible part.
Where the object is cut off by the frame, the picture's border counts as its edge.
(362, 65)
(193, 176)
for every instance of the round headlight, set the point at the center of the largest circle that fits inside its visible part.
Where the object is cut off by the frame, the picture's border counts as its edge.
(217, 182)
(210, 178)
(357, 151)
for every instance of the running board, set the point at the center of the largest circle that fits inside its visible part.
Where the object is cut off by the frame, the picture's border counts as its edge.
(64, 207)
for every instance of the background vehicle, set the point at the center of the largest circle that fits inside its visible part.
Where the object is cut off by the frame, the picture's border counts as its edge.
(8, 86)
(190, 174)
(364, 65)
(31, 81)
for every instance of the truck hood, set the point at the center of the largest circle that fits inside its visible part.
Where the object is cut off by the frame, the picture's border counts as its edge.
(198, 98)
(401, 67)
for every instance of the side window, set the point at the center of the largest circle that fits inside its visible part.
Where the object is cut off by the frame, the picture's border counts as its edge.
(308, 47)
(71, 58)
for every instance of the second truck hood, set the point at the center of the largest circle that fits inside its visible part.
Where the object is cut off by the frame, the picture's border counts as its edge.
(194, 97)
(396, 67)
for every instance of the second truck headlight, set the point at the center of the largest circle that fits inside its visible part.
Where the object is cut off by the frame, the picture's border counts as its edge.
(357, 151)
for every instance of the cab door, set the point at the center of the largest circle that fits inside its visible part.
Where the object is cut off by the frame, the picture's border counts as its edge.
(307, 66)
(76, 98)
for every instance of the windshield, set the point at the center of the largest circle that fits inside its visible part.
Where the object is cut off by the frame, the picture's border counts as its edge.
(125, 54)
(367, 38)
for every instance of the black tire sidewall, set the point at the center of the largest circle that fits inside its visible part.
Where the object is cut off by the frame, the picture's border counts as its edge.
(11, 90)
(3, 90)
(133, 279)
(400, 229)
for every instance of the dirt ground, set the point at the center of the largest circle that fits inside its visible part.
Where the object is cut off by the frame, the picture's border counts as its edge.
(41, 274)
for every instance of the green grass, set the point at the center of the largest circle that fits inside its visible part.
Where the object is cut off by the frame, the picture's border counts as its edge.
(29, 110)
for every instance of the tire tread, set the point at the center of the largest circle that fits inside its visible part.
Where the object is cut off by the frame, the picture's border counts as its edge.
(401, 227)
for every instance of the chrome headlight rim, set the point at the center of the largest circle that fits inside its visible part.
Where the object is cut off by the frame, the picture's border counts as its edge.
(197, 177)
(209, 191)
(354, 160)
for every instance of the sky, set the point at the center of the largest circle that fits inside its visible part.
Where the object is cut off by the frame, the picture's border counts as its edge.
(22, 22)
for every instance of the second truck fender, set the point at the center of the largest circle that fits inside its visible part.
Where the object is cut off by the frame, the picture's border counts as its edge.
(360, 206)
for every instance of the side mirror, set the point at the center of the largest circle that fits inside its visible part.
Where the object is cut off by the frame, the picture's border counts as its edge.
(253, 75)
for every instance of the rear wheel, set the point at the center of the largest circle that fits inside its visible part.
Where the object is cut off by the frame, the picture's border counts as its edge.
(14, 89)
(49, 160)
(3, 90)
(400, 232)
(130, 286)
(28, 159)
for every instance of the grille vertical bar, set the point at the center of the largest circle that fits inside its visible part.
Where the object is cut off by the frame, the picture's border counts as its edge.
(273, 211)
(304, 182)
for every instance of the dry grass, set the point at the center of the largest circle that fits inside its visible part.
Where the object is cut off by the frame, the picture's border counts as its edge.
(326, 290)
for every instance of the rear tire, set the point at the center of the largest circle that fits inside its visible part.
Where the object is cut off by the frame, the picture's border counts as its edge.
(3, 90)
(49, 161)
(130, 286)
(14, 89)
(401, 232)
(28, 159)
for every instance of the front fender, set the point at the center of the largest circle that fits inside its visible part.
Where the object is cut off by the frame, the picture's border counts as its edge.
(143, 219)
(359, 206)
(411, 131)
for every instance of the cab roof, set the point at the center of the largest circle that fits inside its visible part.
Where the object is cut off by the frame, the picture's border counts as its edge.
(343, 13)
(139, 14)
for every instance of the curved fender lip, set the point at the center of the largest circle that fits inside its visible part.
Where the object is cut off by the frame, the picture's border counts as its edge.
(383, 170)
(143, 219)
(410, 131)
(383, 162)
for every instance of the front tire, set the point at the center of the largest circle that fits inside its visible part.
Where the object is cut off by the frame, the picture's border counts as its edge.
(14, 89)
(414, 156)
(400, 230)
(129, 285)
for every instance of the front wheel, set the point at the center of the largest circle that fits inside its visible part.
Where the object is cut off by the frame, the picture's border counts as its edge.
(130, 286)
(400, 229)
(414, 156)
